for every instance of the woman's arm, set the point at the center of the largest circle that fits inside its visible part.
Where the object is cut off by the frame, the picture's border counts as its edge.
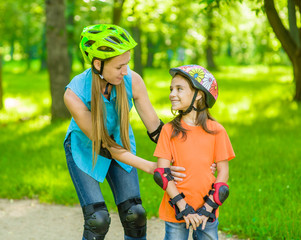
(143, 104)
(80, 113)
(82, 117)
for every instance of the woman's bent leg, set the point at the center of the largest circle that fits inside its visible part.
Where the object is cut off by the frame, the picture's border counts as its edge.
(96, 215)
(125, 187)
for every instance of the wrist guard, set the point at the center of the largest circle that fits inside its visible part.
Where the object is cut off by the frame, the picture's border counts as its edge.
(154, 136)
(162, 180)
(188, 209)
(104, 151)
(203, 211)
(221, 192)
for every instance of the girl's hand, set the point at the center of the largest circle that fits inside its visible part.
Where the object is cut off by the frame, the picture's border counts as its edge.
(213, 168)
(194, 219)
(204, 219)
(175, 171)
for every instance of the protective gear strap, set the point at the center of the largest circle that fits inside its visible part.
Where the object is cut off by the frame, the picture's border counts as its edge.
(210, 215)
(210, 202)
(177, 198)
(101, 68)
(156, 133)
(189, 109)
(188, 209)
(221, 192)
(162, 180)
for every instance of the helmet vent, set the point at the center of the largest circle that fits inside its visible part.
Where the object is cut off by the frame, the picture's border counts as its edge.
(125, 37)
(89, 43)
(113, 39)
(94, 31)
(87, 54)
(111, 28)
(105, 49)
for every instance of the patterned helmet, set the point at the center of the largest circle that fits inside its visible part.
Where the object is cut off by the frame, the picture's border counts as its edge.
(201, 79)
(104, 41)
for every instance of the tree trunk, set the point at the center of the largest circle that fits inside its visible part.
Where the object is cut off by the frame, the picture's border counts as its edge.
(294, 31)
(70, 30)
(43, 55)
(57, 56)
(287, 41)
(150, 52)
(138, 50)
(117, 11)
(209, 50)
(297, 76)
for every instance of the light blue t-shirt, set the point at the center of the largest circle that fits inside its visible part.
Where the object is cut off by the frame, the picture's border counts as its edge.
(81, 145)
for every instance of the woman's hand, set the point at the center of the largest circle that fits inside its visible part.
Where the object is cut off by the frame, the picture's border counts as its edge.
(175, 171)
(213, 168)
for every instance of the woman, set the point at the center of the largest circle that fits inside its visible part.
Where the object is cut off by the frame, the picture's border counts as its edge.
(99, 100)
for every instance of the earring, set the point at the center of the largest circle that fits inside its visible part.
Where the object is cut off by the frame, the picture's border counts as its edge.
(100, 76)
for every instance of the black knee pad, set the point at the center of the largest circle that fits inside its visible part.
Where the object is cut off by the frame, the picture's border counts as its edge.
(133, 217)
(97, 221)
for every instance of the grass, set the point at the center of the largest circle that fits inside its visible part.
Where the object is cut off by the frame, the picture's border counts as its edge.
(254, 105)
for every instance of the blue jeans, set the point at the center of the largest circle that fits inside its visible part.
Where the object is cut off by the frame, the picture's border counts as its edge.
(124, 185)
(178, 231)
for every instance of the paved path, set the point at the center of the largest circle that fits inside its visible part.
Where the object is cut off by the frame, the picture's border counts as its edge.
(30, 220)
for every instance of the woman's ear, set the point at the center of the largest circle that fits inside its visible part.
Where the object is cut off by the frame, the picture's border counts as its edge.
(96, 64)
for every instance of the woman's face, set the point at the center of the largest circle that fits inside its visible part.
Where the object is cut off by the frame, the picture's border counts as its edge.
(181, 93)
(116, 68)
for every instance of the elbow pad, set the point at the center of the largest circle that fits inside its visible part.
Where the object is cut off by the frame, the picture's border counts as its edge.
(162, 176)
(154, 136)
(221, 192)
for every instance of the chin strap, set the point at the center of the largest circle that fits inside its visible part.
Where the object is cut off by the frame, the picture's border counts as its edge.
(191, 107)
(99, 73)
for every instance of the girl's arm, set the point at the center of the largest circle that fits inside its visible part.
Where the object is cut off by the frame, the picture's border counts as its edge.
(82, 117)
(172, 191)
(222, 176)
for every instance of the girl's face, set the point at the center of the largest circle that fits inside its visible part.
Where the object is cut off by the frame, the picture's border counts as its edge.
(181, 93)
(116, 68)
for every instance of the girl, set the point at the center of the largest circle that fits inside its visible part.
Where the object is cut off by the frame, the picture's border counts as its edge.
(194, 140)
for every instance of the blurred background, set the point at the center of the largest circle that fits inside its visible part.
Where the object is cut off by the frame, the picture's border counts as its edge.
(251, 47)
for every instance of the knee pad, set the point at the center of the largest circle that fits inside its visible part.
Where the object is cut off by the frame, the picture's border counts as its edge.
(133, 218)
(97, 221)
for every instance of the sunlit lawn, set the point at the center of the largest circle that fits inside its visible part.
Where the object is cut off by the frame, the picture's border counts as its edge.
(254, 105)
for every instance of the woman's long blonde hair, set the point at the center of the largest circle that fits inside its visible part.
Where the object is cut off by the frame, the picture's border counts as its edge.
(100, 134)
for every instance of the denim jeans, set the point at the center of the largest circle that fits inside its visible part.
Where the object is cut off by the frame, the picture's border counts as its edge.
(124, 185)
(178, 231)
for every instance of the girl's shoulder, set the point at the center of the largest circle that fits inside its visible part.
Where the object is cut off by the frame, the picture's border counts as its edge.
(214, 125)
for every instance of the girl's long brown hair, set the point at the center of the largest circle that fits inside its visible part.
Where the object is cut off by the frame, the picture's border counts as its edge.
(100, 134)
(201, 117)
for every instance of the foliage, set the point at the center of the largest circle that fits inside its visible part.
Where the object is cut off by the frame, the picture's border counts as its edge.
(171, 26)
(254, 105)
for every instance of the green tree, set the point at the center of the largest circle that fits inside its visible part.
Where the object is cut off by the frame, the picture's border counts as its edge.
(289, 38)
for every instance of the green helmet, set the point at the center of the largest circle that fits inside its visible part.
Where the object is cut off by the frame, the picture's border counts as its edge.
(104, 41)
